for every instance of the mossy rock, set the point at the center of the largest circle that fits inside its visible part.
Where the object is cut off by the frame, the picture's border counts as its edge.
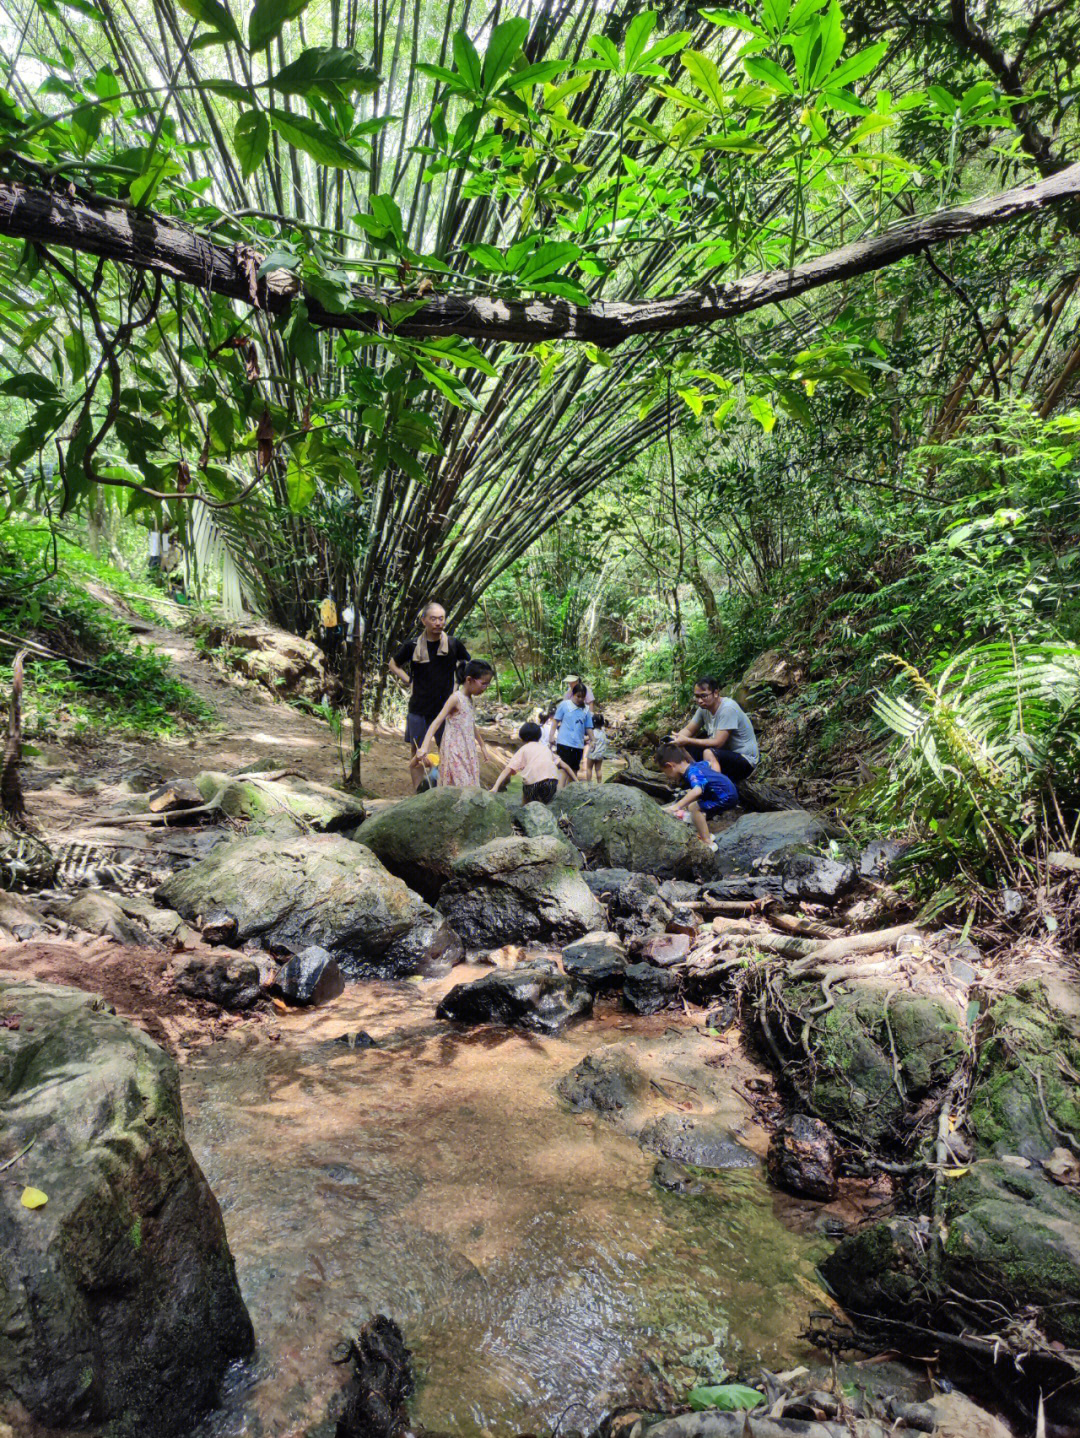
(516, 889)
(856, 1083)
(616, 827)
(1012, 1112)
(326, 810)
(419, 839)
(119, 1303)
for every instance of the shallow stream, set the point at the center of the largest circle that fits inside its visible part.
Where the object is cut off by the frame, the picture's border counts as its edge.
(536, 1268)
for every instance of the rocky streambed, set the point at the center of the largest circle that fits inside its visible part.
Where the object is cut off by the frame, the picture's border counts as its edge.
(549, 1168)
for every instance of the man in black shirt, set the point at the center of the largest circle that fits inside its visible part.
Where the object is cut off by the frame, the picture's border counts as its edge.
(426, 667)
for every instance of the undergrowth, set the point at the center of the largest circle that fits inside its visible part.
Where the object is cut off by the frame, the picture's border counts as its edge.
(110, 684)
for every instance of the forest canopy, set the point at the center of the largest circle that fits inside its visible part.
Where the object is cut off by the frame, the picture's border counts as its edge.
(554, 159)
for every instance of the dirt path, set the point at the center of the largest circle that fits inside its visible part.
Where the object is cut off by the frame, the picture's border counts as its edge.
(72, 787)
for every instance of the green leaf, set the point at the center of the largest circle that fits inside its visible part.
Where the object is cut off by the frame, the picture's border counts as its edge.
(221, 423)
(386, 212)
(268, 19)
(832, 45)
(461, 353)
(332, 290)
(407, 461)
(31, 386)
(670, 45)
(229, 89)
(605, 48)
(941, 99)
(301, 340)
(857, 66)
(637, 37)
(85, 127)
(439, 72)
(467, 61)
(694, 399)
(78, 354)
(769, 73)
(487, 256)
(214, 14)
(762, 411)
(547, 260)
(300, 481)
(323, 147)
(251, 136)
(503, 49)
(732, 20)
(727, 1397)
(803, 10)
(702, 70)
(326, 68)
(538, 74)
(775, 14)
(144, 187)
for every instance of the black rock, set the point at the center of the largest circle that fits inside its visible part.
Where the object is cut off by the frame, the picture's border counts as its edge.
(879, 856)
(531, 998)
(817, 877)
(802, 1158)
(679, 891)
(702, 1140)
(608, 1082)
(382, 1382)
(598, 960)
(429, 949)
(724, 1017)
(310, 977)
(219, 927)
(647, 989)
(674, 1177)
(359, 1040)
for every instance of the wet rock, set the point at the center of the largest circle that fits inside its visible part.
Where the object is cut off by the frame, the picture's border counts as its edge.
(431, 948)
(647, 989)
(231, 981)
(701, 1140)
(419, 839)
(677, 892)
(320, 889)
(633, 902)
(649, 781)
(619, 827)
(802, 1158)
(663, 950)
(598, 960)
(514, 890)
(219, 927)
(754, 836)
(533, 998)
(607, 1082)
(674, 1177)
(118, 1299)
(361, 1039)
(310, 977)
(326, 810)
(382, 1383)
(535, 819)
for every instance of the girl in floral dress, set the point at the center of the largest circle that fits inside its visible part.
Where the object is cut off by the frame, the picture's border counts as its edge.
(461, 747)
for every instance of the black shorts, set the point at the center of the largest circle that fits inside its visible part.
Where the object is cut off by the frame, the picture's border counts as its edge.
(541, 793)
(733, 766)
(416, 726)
(569, 755)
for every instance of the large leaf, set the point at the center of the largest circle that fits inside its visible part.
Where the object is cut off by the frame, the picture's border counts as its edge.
(300, 481)
(857, 66)
(727, 1397)
(214, 14)
(547, 260)
(323, 147)
(467, 61)
(250, 140)
(268, 19)
(325, 67)
(702, 70)
(503, 49)
(637, 36)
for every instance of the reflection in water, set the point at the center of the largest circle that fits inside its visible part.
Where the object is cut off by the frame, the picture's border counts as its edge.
(525, 1251)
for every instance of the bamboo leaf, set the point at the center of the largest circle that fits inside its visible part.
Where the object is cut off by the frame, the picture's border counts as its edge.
(251, 136)
(214, 14)
(268, 19)
(323, 147)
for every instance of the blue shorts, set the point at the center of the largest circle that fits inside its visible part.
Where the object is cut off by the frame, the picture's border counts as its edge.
(416, 726)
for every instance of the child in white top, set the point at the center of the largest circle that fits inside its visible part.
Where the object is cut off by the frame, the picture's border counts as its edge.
(538, 766)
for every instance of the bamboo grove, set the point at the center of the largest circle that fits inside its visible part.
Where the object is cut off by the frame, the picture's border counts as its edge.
(571, 155)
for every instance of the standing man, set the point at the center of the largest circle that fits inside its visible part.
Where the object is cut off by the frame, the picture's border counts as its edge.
(719, 726)
(425, 668)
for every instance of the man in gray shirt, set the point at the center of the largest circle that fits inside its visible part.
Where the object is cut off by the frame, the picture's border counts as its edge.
(720, 727)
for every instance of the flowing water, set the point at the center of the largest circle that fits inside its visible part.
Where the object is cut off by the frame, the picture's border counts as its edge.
(533, 1264)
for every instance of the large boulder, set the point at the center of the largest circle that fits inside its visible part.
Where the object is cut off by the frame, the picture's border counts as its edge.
(118, 1297)
(622, 828)
(598, 960)
(320, 889)
(754, 836)
(419, 839)
(536, 998)
(282, 662)
(518, 889)
(326, 810)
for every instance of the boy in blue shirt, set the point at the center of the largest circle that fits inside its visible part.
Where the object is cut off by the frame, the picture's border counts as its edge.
(573, 722)
(710, 791)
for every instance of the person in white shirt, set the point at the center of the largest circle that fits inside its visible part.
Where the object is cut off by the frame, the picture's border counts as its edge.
(719, 727)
